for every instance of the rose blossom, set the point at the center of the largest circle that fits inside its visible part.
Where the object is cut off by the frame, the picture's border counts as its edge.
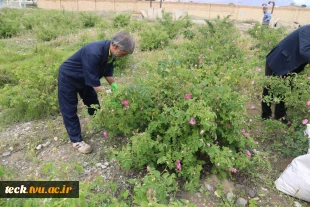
(125, 102)
(187, 96)
(192, 121)
(305, 121)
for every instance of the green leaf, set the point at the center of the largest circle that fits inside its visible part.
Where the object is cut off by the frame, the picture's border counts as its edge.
(162, 160)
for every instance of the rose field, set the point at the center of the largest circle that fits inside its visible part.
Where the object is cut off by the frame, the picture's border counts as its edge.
(184, 127)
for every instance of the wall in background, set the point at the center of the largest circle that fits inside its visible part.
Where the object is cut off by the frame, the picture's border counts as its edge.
(241, 13)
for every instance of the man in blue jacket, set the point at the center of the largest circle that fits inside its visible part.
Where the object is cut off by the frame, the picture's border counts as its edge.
(292, 54)
(81, 73)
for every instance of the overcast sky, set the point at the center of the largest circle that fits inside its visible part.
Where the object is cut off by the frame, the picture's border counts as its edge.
(255, 2)
(300, 2)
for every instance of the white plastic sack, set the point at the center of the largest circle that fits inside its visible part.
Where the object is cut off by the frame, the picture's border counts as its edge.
(295, 180)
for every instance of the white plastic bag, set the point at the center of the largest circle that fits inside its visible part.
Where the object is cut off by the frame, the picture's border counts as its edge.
(295, 180)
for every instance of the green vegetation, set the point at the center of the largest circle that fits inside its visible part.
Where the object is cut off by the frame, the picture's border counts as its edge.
(182, 101)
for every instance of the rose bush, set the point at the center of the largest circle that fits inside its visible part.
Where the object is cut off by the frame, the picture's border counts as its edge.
(166, 117)
(186, 112)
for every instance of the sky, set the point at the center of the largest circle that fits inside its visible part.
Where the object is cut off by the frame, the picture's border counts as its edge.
(254, 2)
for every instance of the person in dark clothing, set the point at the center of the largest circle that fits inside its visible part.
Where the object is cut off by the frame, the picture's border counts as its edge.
(81, 73)
(292, 54)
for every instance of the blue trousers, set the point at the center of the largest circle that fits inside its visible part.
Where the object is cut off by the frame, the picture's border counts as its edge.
(68, 90)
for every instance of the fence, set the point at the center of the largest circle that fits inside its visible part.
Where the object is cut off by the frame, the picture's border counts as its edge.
(242, 13)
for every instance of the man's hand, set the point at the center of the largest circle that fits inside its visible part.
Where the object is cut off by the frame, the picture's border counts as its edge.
(114, 87)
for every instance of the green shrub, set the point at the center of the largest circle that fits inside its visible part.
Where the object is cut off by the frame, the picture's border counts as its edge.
(266, 37)
(294, 91)
(173, 27)
(121, 20)
(136, 25)
(29, 22)
(88, 19)
(10, 22)
(6, 77)
(153, 39)
(121, 64)
(155, 188)
(49, 25)
(47, 32)
(158, 115)
(166, 127)
(36, 94)
(103, 24)
(188, 34)
(8, 27)
(214, 45)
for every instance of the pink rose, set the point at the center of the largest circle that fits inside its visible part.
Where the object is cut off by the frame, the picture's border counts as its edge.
(305, 121)
(178, 165)
(308, 103)
(187, 96)
(192, 121)
(125, 102)
(234, 170)
(105, 134)
(248, 153)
